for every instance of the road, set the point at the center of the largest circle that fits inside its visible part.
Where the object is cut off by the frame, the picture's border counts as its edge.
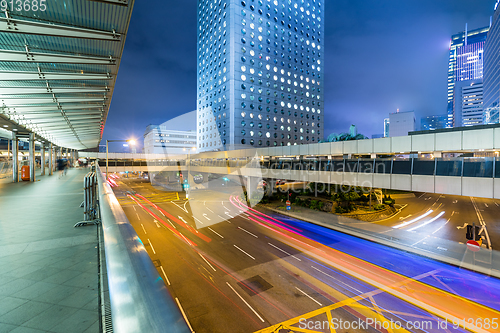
(444, 216)
(233, 269)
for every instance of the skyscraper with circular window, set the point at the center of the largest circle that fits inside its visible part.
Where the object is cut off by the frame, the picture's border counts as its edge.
(260, 73)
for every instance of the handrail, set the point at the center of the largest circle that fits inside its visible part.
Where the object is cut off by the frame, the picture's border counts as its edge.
(140, 301)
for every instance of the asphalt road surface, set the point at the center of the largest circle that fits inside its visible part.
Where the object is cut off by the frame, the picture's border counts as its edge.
(444, 216)
(234, 269)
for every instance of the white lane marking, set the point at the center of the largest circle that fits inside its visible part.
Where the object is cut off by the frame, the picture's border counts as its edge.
(185, 206)
(197, 220)
(166, 278)
(248, 232)
(212, 267)
(215, 232)
(482, 222)
(426, 223)
(171, 224)
(442, 226)
(184, 314)
(309, 297)
(244, 252)
(455, 201)
(179, 206)
(245, 302)
(180, 218)
(157, 224)
(152, 248)
(496, 203)
(345, 284)
(277, 248)
(162, 213)
(187, 241)
(205, 216)
(205, 203)
(463, 227)
(210, 210)
(137, 216)
(486, 205)
(412, 221)
(422, 195)
(134, 208)
(227, 213)
(420, 241)
(223, 218)
(143, 229)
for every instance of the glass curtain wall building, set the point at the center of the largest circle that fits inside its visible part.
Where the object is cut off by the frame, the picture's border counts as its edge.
(433, 122)
(260, 73)
(491, 79)
(465, 63)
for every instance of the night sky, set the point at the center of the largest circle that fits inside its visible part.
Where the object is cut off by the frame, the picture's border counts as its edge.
(380, 55)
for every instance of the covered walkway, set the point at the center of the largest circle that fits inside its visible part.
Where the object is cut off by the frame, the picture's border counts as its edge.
(48, 268)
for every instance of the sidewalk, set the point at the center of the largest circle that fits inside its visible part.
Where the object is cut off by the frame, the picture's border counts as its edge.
(48, 268)
(484, 261)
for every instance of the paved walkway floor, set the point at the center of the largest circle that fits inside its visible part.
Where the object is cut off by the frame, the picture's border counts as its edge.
(48, 268)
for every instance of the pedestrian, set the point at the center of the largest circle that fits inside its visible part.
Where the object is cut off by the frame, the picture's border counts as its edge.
(60, 166)
(65, 166)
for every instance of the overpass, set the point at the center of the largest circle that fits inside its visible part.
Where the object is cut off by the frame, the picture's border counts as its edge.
(458, 162)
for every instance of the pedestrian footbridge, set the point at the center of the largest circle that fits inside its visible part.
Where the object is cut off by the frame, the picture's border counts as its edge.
(458, 162)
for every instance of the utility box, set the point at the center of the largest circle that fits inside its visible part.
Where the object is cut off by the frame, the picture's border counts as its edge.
(25, 173)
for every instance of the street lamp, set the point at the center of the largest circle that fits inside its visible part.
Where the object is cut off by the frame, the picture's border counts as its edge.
(188, 168)
(130, 141)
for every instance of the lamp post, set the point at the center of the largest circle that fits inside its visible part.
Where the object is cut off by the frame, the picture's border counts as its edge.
(131, 141)
(188, 167)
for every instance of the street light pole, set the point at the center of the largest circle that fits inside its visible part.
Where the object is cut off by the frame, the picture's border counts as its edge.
(188, 169)
(131, 141)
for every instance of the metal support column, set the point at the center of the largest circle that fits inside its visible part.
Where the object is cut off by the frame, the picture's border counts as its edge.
(67, 153)
(8, 150)
(51, 160)
(15, 162)
(32, 163)
(42, 160)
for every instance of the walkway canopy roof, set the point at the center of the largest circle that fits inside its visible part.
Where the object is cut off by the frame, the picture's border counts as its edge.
(58, 66)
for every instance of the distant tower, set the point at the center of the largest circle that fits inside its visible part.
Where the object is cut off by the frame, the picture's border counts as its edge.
(260, 70)
(491, 79)
(465, 63)
(353, 131)
(386, 127)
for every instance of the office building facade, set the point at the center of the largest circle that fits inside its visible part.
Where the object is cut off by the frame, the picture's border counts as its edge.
(160, 140)
(433, 122)
(465, 63)
(468, 103)
(260, 73)
(401, 123)
(491, 74)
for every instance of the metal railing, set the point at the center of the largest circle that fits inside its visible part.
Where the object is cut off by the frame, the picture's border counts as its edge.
(140, 301)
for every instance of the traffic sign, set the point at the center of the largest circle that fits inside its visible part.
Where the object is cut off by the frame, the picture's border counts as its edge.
(288, 207)
(288, 203)
(473, 245)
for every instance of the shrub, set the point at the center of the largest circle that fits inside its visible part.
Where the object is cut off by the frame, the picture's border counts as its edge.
(340, 210)
(378, 207)
(313, 204)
